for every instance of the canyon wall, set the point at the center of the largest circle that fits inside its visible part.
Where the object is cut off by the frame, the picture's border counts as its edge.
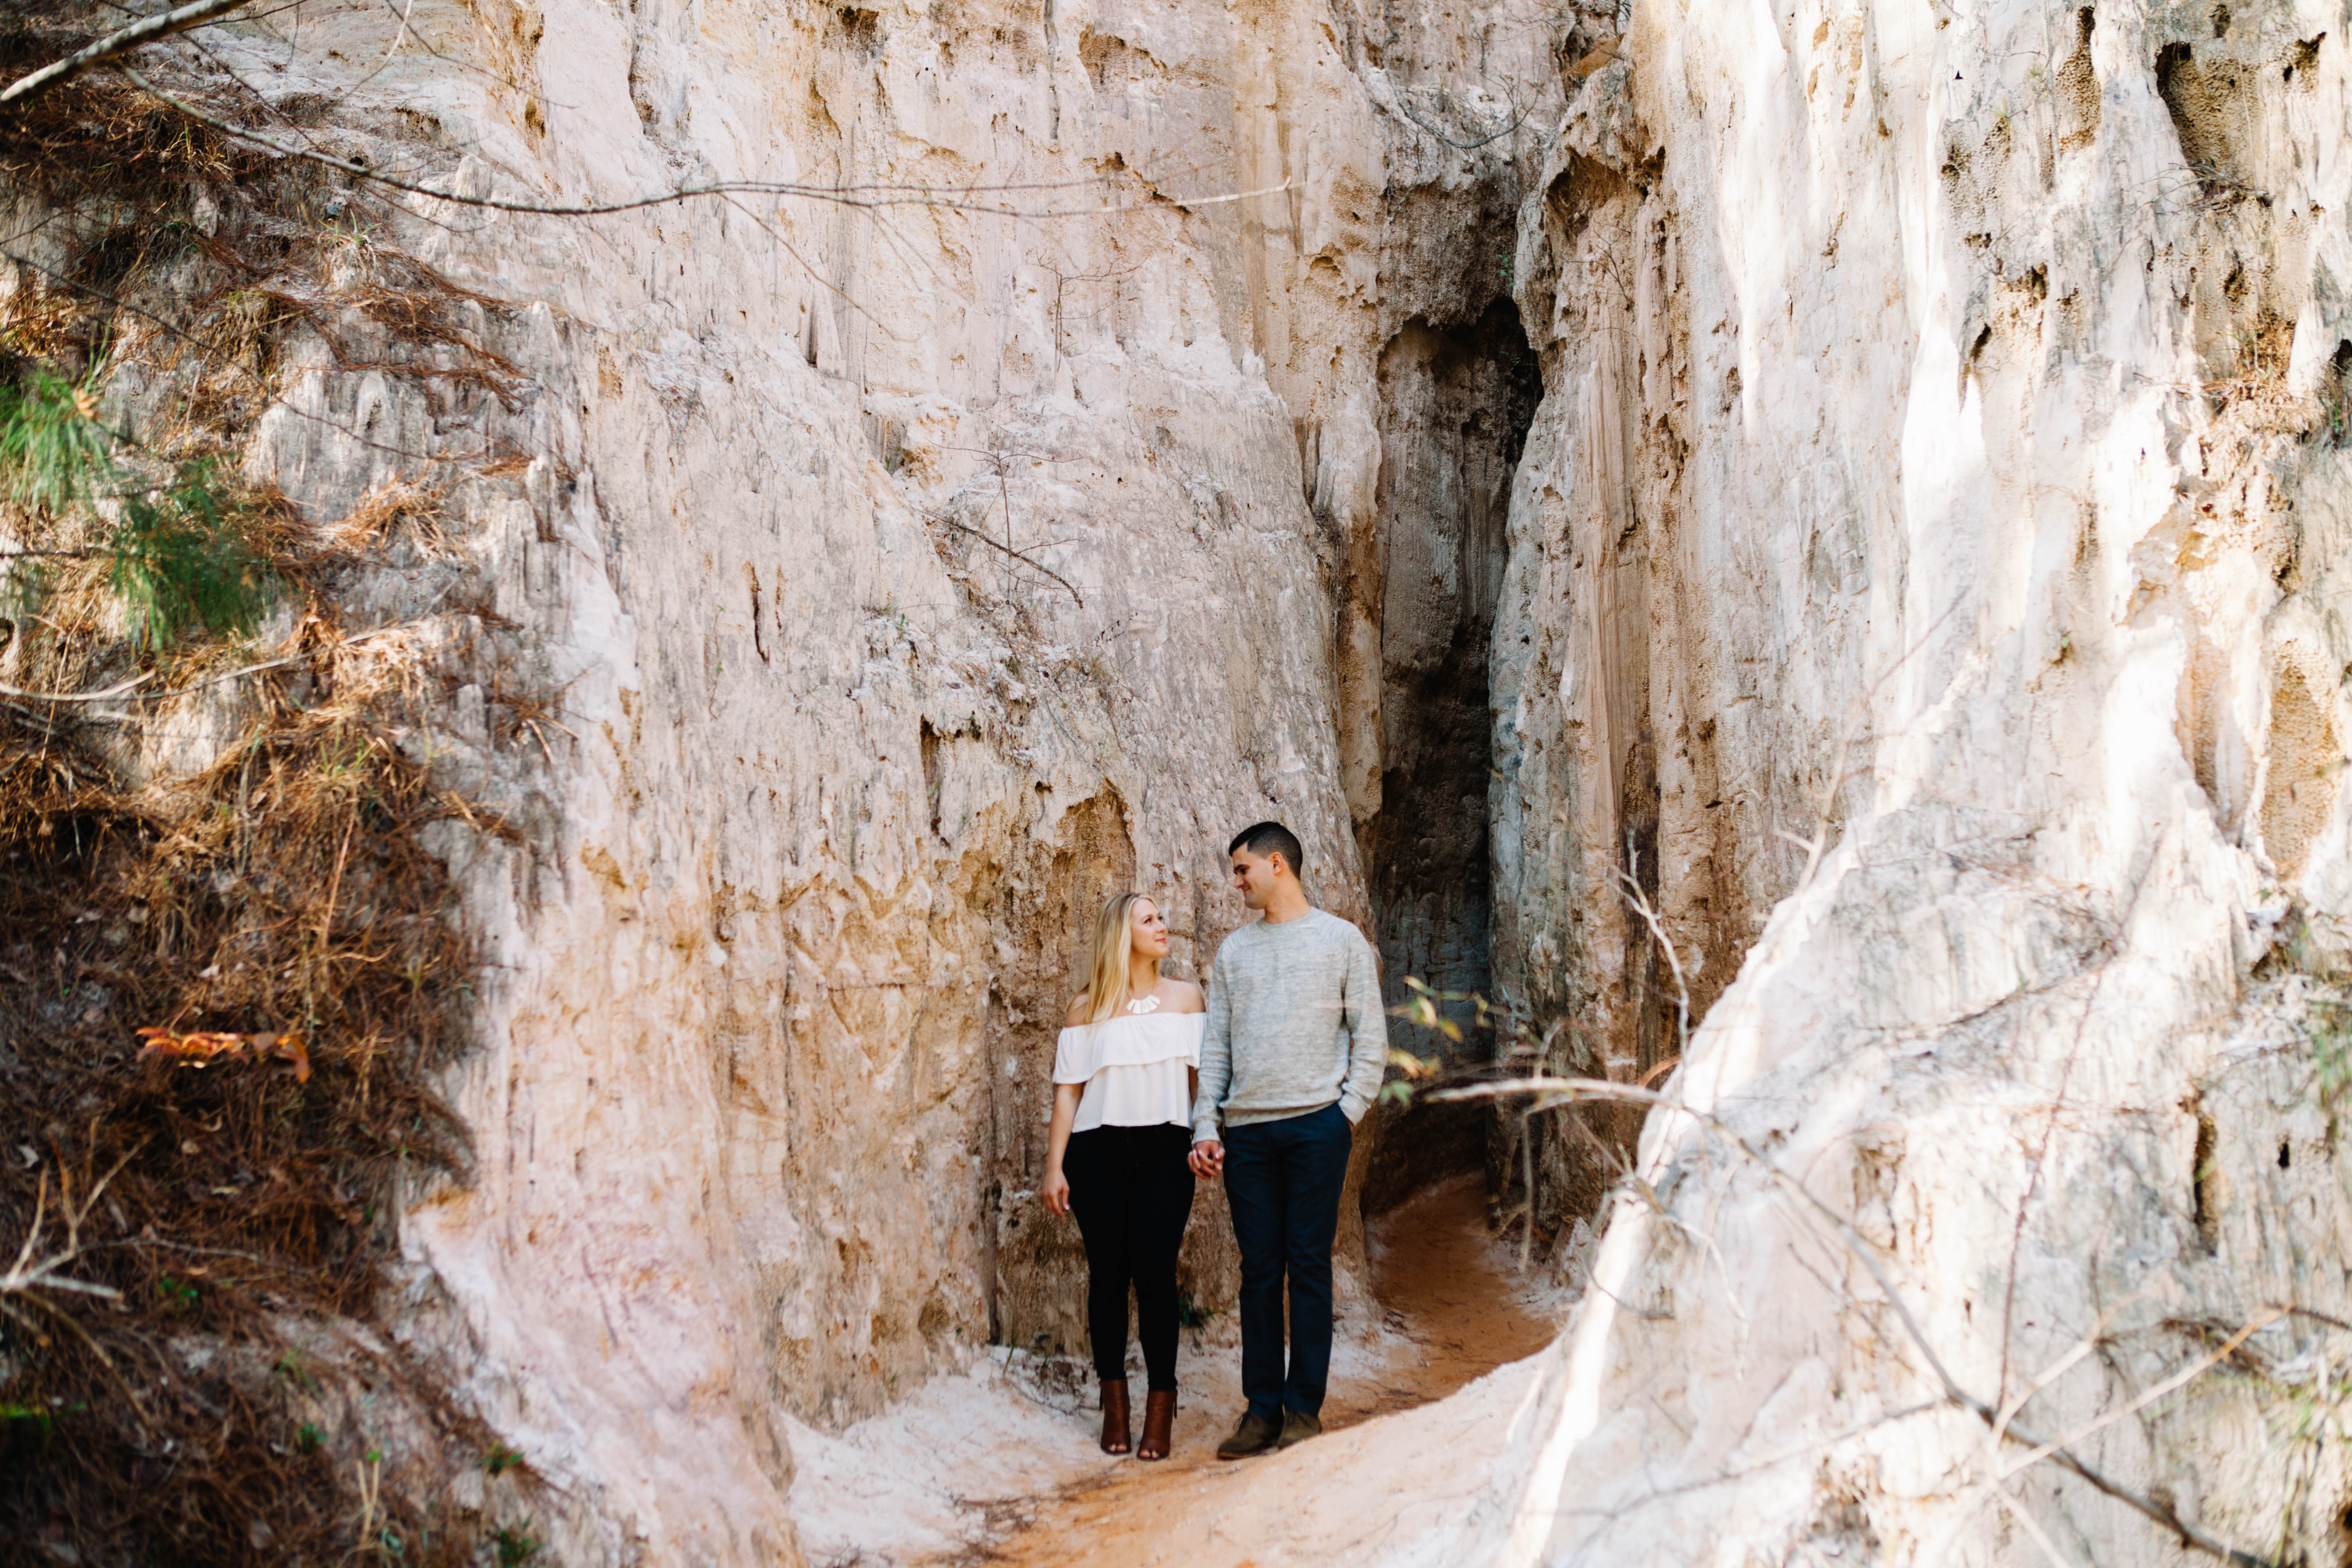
(1863, 483)
(987, 505)
(1926, 593)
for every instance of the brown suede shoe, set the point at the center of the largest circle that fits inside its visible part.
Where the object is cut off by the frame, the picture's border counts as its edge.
(1297, 1427)
(1158, 1423)
(1255, 1435)
(1114, 1438)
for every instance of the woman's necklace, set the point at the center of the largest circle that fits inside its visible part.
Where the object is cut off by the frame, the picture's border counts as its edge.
(1148, 1005)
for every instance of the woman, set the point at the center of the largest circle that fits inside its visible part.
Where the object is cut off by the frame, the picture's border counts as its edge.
(1124, 1076)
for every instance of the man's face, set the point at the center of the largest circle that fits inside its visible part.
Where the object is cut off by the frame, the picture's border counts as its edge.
(1253, 877)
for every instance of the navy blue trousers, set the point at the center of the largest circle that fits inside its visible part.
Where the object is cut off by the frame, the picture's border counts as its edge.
(1283, 1179)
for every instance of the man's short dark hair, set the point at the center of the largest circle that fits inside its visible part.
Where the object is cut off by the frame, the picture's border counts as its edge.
(1263, 838)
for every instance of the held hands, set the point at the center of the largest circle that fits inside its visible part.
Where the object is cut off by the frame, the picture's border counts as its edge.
(1055, 1191)
(1207, 1158)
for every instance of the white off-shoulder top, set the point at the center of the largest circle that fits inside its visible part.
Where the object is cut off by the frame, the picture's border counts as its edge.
(1134, 1067)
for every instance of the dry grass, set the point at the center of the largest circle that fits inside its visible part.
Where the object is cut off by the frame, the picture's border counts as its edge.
(187, 1368)
(314, 282)
(97, 136)
(397, 509)
(201, 256)
(280, 893)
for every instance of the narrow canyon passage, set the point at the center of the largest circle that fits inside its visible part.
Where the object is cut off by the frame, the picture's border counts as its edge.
(1456, 403)
(1451, 1309)
(602, 593)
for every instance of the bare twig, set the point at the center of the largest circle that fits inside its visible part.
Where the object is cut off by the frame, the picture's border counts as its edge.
(30, 1276)
(997, 544)
(2179, 1380)
(1527, 1236)
(2056, 1370)
(1519, 119)
(401, 35)
(1849, 735)
(2050, 1127)
(866, 197)
(1568, 1090)
(115, 45)
(1632, 892)
(2033, 1527)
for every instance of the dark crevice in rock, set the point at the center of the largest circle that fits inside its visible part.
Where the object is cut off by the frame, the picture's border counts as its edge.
(1456, 402)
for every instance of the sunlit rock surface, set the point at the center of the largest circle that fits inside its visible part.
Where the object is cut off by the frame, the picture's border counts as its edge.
(1929, 558)
(904, 572)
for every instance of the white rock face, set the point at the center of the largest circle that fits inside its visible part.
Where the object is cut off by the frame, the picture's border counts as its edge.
(1935, 465)
(910, 576)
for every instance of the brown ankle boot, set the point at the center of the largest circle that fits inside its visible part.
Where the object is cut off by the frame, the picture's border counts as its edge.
(1114, 1438)
(1158, 1423)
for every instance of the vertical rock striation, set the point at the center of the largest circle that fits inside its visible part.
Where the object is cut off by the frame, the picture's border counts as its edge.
(1926, 588)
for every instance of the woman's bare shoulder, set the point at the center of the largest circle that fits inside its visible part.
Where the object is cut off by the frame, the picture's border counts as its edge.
(1078, 1010)
(1185, 997)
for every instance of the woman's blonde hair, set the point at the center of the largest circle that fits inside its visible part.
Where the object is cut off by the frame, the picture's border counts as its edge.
(1108, 968)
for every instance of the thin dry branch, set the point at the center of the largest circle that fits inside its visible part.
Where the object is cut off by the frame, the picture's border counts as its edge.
(1559, 1091)
(998, 545)
(30, 1276)
(2050, 1125)
(1632, 892)
(864, 197)
(115, 45)
(2177, 1382)
(1518, 120)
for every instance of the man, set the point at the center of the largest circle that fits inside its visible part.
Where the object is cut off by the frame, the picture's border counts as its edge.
(1292, 1059)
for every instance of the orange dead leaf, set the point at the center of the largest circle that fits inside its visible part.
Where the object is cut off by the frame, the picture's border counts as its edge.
(290, 1048)
(199, 1048)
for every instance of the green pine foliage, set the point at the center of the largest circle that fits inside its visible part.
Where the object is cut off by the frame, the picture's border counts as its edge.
(51, 444)
(171, 536)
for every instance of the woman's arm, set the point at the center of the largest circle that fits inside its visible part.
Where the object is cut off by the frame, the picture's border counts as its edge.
(1056, 1189)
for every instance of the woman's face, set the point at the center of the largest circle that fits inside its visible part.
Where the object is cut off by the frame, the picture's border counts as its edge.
(1147, 930)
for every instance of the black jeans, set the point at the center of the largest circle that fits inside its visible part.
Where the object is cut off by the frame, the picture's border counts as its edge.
(1131, 1192)
(1283, 1179)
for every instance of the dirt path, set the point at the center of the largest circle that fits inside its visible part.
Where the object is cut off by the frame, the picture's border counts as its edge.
(1435, 1276)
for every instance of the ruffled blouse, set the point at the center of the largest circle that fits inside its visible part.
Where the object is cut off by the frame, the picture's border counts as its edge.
(1134, 1067)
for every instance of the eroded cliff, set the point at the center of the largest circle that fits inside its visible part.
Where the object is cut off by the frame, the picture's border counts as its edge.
(977, 506)
(1864, 482)
(1927, 583)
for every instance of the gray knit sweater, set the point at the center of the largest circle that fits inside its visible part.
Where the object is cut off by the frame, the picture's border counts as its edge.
(1295, 1024)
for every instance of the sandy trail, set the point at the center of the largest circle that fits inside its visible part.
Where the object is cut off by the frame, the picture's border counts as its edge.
(1445, 1288)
